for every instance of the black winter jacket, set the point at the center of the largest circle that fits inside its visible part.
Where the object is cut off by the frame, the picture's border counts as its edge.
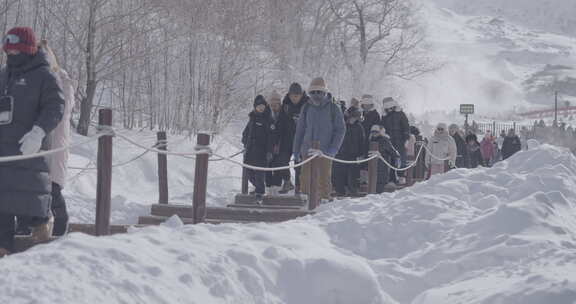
(25, 187)
(280, 135)
(353, 145)
(292, 112)
(257, 139)
(390, 154)
(510, 146)
(397, 126)
(462, 151)
(473, 156)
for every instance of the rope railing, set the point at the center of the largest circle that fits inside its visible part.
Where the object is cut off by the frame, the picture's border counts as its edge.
(14, 158)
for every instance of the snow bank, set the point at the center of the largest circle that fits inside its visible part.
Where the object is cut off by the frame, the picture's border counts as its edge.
(497, 235)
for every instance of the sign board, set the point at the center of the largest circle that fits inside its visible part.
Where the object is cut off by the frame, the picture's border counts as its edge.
(466, 109)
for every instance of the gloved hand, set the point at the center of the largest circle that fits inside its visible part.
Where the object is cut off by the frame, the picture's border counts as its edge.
(297, 158)
(269, 157)
(31, 142)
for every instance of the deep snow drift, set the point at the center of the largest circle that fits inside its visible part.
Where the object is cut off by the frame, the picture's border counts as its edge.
(498, 235)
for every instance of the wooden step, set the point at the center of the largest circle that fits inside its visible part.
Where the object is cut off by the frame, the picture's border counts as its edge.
(231, 214)
(23, 243)
(244, 199)
(91, 228)
(157, 220)
(265, 207)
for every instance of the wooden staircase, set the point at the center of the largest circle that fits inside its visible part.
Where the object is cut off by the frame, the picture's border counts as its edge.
(245, 209)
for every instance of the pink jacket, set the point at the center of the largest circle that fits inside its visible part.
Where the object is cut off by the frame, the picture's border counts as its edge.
(60, 137)
(487, 148)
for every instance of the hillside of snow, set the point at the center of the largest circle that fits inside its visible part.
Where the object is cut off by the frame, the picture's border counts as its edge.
(492, 235)
(490, 60)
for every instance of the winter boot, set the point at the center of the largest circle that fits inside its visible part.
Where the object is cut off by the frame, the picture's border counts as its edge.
(43, 231)
(4, 252)
(287, 187)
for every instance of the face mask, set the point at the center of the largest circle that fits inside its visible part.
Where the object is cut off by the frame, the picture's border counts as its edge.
(15, 61)
(317, 97)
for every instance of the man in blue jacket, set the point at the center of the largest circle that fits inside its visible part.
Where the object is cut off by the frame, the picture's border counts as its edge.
(321, 120)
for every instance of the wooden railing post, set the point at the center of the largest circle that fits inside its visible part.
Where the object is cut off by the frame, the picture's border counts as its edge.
(411, 170)
(244, 181)
(373, 169)
(104, 173)
(162, 168)
(314, 195)
(201, 180)
(421, 161)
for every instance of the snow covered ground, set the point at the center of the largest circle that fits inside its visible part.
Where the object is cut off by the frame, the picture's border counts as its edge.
(499, 235)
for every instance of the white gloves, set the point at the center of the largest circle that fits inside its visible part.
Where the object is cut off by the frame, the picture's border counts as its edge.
(31, 142)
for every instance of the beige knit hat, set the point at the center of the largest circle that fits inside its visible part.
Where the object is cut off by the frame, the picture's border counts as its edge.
(367, 99)
(318, 84)
(274, 98)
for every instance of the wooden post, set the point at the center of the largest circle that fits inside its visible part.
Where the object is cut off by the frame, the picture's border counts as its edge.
(373, 169)
(314, 195)
(104, 173)
(162, 168)
(494, 128)
(244, 181)
(201, 180)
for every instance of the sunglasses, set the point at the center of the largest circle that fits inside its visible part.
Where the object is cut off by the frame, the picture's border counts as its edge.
(317, 93)
(440, 129)
(11, 39)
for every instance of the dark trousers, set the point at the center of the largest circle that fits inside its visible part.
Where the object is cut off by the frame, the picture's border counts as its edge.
(345, 177)
(297, 172)
(258, 180)
(277, 177)
(59, 211)
(7, 231)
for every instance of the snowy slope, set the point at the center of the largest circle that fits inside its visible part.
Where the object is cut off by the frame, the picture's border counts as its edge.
(491, 61)
(499, 235)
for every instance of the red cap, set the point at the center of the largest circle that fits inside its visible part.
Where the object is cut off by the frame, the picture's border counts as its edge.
(27, 43)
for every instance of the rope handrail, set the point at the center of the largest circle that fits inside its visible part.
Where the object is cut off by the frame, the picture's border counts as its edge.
(14, 158)
(199, 149)
(265, 169)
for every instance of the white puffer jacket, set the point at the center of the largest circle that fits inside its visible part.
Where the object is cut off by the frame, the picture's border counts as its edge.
(60, 137)
(442, 145)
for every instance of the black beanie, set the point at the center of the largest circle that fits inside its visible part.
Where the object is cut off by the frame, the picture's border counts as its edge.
(259, 100)
(295, 89)
(353, 112)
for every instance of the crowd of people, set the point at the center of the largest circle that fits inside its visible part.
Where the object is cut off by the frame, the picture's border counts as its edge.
(35, 108)
(280, 130)
(555, 134)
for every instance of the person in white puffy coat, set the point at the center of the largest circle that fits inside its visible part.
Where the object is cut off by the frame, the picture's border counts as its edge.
(60, 137)
(441, 146)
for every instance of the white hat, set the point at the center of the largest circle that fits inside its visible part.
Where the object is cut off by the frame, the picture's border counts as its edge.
(274, 97)
(442, 126)
(367, 99)
(389, 103)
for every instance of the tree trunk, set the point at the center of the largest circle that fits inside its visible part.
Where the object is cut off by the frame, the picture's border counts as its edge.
(91, 82)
